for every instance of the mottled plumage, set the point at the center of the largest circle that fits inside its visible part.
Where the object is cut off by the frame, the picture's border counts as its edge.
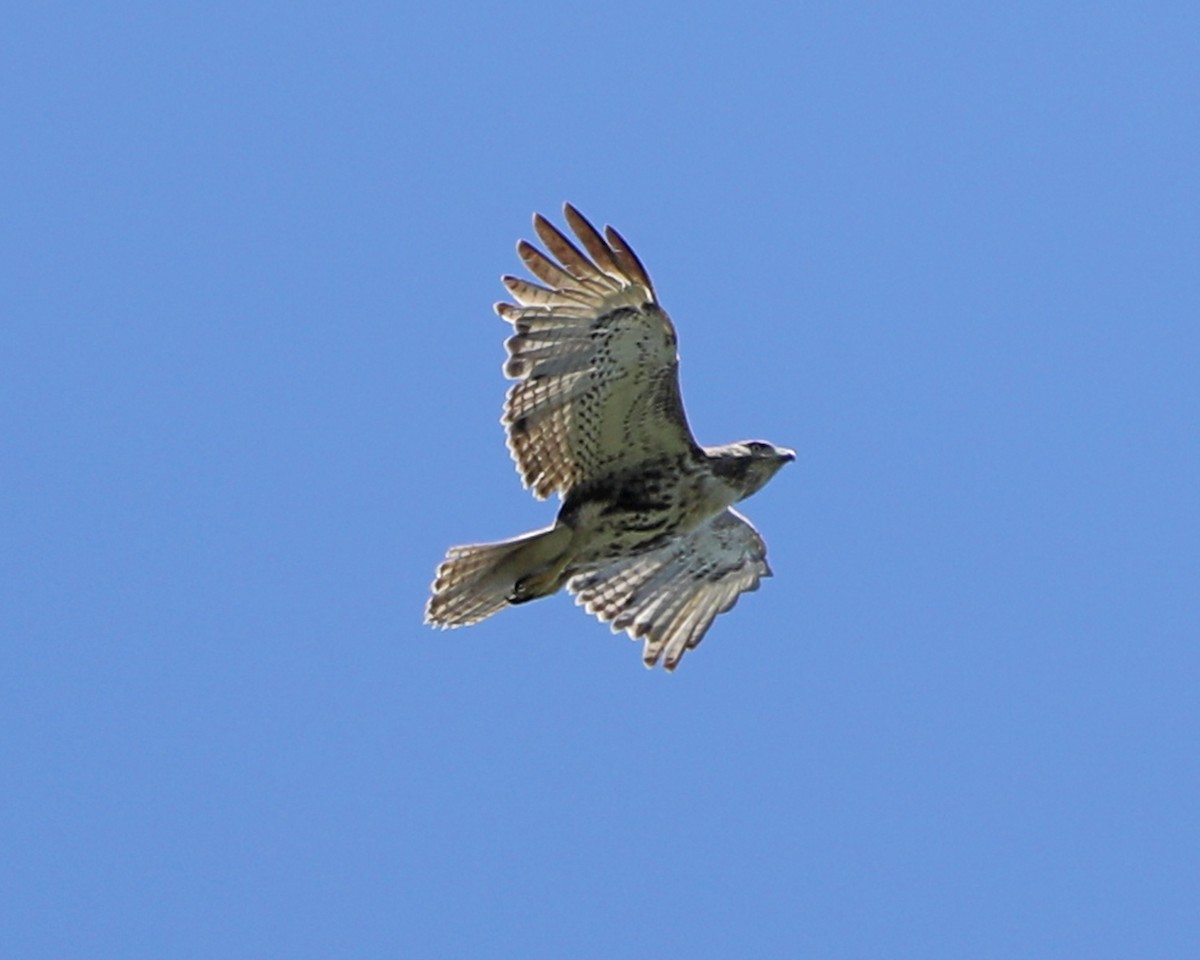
(645, 537)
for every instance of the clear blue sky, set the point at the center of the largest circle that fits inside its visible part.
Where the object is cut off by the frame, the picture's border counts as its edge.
(250, 391)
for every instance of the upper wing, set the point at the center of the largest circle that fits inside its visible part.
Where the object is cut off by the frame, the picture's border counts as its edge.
(595, 357)
(671, 596)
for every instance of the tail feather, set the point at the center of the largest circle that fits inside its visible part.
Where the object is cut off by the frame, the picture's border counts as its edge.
(474, 582)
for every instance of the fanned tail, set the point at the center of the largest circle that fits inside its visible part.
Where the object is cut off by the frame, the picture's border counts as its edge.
(474, 582)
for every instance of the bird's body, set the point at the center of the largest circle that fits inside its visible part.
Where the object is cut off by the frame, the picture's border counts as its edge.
(644, 537)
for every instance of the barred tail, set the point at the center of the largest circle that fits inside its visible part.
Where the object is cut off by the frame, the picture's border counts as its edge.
(476, 581)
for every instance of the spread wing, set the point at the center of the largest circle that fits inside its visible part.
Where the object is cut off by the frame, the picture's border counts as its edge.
(595, 358)
(671, 596)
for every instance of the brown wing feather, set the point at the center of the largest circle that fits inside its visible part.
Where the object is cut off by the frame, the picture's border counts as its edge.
(595, 244)
(670, 597)
(630, 264)
(547, 270)
(595, 360)
(580, 267)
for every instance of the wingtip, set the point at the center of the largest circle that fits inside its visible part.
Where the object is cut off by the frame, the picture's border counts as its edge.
(618, 242)
(633, 267)
(578, 222)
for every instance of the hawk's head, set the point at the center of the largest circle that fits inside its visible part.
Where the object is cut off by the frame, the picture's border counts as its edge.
(748, 465)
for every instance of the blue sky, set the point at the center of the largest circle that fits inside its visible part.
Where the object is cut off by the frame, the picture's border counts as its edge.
(250, 391)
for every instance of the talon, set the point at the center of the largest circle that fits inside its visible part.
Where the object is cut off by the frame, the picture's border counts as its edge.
(520, 592)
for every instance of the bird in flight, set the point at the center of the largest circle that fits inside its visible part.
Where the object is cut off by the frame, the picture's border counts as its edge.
(646, 537)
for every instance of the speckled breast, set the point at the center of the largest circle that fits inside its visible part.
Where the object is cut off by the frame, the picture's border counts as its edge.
(633, 512)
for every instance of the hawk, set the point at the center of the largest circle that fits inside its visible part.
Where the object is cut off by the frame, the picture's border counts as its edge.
(646, 537)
